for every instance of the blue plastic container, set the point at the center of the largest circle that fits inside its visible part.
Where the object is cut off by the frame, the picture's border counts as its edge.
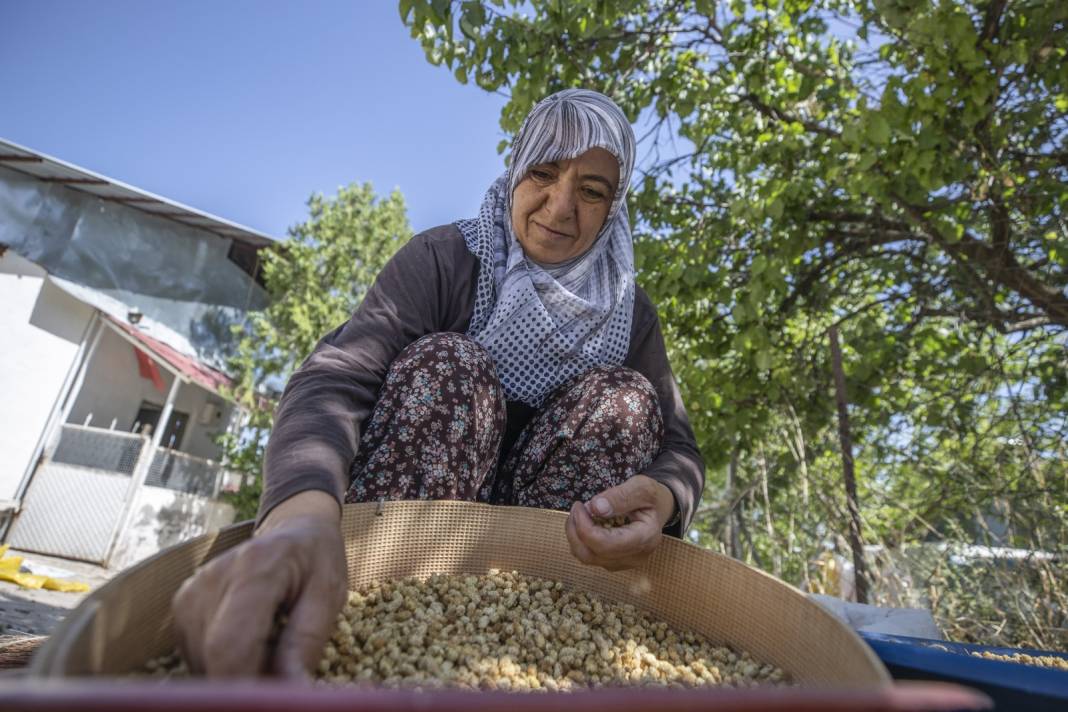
(1012, 686)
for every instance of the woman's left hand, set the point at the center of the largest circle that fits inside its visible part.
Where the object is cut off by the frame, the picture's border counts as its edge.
(648, 505)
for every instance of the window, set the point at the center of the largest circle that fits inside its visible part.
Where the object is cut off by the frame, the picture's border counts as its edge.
(247, 258)
(148, 417)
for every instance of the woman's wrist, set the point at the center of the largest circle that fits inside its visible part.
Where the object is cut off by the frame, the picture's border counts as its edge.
(664, 501)
(315, 504)
(676, 515)
(667, 506)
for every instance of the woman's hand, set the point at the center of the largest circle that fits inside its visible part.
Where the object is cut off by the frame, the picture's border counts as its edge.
(225, 614)
(647, 503)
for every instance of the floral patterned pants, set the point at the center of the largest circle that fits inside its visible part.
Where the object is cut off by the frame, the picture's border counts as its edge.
(437, 429)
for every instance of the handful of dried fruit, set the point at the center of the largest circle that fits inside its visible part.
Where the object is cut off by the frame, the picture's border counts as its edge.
(619, 520)
(506, 631)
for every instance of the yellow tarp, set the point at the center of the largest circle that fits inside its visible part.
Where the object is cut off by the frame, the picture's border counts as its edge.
(9, 571)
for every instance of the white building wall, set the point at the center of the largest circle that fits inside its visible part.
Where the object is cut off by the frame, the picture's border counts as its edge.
(162, 518)
(41, 328)
(198, 440)
(113, 389)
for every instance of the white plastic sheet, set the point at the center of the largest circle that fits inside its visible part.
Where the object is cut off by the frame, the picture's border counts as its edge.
(116, 258)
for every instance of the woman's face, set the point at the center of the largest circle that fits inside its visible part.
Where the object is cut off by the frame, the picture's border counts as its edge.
(558, 208)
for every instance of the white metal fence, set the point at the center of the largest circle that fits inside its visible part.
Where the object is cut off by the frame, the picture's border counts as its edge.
(118, 453)
(99, 449)
(70, 511)
(184, 473)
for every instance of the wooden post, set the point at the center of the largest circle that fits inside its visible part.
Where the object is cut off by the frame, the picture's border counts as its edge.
(860, 572)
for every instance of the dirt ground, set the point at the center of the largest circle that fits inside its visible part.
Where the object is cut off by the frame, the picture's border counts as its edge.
(37, 612)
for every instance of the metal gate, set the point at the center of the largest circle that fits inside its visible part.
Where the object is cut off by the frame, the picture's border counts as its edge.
(74, 503)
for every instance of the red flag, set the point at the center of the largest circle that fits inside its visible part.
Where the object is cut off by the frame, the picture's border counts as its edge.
(148, 369)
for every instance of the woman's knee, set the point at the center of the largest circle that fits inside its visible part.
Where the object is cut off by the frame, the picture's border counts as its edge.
(623, 384)
(447, 354)
(441, 393)
(623, 396)
(594, 433)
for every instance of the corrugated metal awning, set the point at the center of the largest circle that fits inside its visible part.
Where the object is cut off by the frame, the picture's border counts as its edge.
(52, 170)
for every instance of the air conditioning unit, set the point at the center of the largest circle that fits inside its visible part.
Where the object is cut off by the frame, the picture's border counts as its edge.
(210, 414)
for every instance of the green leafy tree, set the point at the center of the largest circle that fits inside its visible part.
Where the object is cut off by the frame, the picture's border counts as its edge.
(897, 168)
(314, 280)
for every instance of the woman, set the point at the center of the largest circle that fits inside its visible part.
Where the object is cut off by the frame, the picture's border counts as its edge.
(507, 359)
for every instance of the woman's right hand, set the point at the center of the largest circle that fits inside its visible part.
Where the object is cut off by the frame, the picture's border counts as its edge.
(295, 563)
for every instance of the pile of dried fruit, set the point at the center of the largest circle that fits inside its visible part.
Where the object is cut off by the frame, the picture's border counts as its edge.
(506, 631)
(1050, 661)
(513, 632)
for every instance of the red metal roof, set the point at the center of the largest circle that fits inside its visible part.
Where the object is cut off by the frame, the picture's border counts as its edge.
(191, 369)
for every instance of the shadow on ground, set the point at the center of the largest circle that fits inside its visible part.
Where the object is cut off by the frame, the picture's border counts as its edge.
(21, 615)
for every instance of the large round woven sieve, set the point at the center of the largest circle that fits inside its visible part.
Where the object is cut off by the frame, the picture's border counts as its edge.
(128, 620)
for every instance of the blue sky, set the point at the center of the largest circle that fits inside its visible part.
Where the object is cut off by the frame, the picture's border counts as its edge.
(243, 108)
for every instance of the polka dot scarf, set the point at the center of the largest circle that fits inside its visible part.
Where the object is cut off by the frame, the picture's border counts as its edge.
(545, 325)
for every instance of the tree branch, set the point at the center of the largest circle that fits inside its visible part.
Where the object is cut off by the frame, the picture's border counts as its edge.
(779, 115)
(991, 21)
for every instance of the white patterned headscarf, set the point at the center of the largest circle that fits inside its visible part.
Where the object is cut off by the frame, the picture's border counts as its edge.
(545, 324)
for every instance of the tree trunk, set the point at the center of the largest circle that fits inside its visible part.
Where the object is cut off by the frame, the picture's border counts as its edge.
(769, 526)
(734, 546)
(855, 541)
